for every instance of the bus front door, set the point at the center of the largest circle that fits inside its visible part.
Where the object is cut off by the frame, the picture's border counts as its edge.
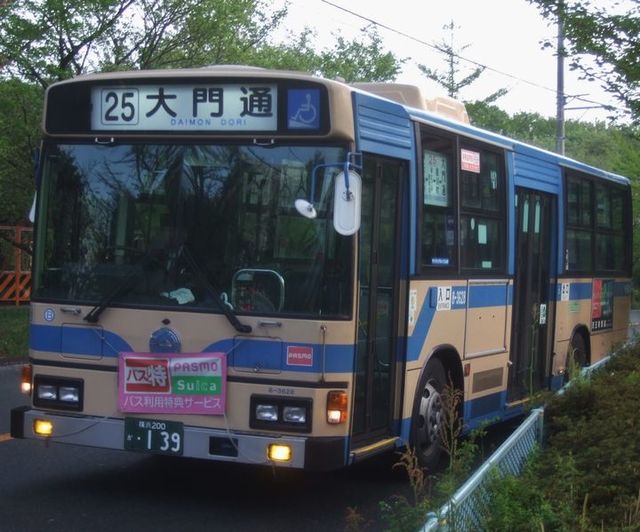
(378, 299)
(533, 309)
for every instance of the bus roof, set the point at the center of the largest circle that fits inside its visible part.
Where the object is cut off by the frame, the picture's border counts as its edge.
(448, 116)
(441, 112)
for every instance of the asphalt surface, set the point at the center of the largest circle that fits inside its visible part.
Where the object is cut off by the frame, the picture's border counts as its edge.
(65, 488)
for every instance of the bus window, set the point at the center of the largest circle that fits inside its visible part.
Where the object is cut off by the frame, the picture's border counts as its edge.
(610, 229)
(481, 218)
(438, 209)
(579, 242)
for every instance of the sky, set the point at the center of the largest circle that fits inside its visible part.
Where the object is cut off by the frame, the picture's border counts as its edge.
(504, 35)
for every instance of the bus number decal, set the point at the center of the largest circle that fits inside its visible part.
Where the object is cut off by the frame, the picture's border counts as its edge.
(444, 298)
(451, 298)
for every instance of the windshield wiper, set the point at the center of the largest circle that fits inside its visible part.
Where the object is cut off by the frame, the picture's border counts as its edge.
(226, 310)
(122, 288)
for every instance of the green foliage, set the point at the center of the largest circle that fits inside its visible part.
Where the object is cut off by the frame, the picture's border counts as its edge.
(400, 514)
(610, 147)
(20, 112)
(516, 504)
(588, 477)
(607, 33)
(46, 41)
(362, 59)
(14, 324)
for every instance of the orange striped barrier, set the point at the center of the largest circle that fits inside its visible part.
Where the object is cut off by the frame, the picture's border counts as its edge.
(15, 264)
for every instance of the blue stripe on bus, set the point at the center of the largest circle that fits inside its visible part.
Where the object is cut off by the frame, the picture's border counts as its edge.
(584, 290)
(490, 296)
(580, 291)
(478, 297)
(622, 289)
(90, 341)
(576, 291)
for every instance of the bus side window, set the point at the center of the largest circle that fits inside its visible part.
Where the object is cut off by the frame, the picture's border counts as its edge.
(482, 211)
(439, 231)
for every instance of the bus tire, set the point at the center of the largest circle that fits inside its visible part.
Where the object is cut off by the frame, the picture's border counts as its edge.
(579, 350)
(429, 416)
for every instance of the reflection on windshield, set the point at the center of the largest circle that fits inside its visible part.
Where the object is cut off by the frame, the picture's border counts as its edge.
(189, 222)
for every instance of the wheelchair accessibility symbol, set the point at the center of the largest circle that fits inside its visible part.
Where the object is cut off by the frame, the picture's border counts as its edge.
(303, 109)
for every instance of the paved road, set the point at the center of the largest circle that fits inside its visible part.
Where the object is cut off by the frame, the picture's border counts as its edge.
(63, 488)
(67, 489)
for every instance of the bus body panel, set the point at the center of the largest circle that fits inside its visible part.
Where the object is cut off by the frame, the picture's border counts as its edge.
(466, 317)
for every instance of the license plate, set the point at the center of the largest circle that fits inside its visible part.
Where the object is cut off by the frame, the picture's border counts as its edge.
(153, 436)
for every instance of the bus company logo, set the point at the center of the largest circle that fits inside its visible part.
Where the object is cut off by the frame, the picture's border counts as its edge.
(299, 356)
(146, 375)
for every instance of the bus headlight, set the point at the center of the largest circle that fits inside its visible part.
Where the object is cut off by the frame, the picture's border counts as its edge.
(279, 413)
(48, 392)
(69, 394)
(57, 392)
(294, 414)
(266, 412)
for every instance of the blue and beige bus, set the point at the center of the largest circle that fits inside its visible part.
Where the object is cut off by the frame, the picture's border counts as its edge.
(265, 267)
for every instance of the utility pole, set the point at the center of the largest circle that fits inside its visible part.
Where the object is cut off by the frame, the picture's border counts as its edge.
(560, 84)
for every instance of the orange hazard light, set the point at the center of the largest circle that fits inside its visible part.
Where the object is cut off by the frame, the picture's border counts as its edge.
(337, 403)
(25, 378)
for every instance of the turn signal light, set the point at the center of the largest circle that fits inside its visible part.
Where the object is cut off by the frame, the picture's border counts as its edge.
(337, 407)
(43, 427)
(279, 453)
(25, 378)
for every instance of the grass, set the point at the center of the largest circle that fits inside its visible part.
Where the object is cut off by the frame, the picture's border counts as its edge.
(14, 326)
(587, 476)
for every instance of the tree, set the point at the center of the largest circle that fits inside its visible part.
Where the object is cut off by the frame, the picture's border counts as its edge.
(450, 79)
(49, 40)
(358, 60)
(610, 36)
(20, 105)
(43, 41)
(610, 147)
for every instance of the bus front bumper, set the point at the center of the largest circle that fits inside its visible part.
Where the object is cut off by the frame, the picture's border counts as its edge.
(198, 442)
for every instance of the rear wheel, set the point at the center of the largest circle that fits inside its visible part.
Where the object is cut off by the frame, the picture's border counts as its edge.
(429, 416)
(577, 354)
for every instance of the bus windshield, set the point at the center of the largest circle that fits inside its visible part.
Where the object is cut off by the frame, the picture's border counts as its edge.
(176, 226)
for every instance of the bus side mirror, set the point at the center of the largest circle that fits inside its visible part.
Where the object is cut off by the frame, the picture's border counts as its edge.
(347, 197)
(347, 202)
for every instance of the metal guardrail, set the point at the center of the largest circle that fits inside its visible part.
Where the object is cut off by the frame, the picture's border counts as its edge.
(465, 510)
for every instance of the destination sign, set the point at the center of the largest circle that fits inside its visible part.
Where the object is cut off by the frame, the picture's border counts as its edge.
(214, 107)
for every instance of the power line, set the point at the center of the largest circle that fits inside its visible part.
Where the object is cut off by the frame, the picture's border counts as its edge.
(466, 59)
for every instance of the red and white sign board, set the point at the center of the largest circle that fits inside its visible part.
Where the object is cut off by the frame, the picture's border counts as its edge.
(470, 161)
(172, 383)
(298, 355)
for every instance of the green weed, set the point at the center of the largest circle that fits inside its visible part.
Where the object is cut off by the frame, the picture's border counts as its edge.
(14, 326)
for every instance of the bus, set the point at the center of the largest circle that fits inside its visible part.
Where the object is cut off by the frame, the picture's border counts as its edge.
(266, 267)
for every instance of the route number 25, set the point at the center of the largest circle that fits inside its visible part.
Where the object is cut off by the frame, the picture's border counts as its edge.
(119, 106)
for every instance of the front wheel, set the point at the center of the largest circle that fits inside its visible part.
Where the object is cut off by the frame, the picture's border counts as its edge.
(577, 358)
(429, 416)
